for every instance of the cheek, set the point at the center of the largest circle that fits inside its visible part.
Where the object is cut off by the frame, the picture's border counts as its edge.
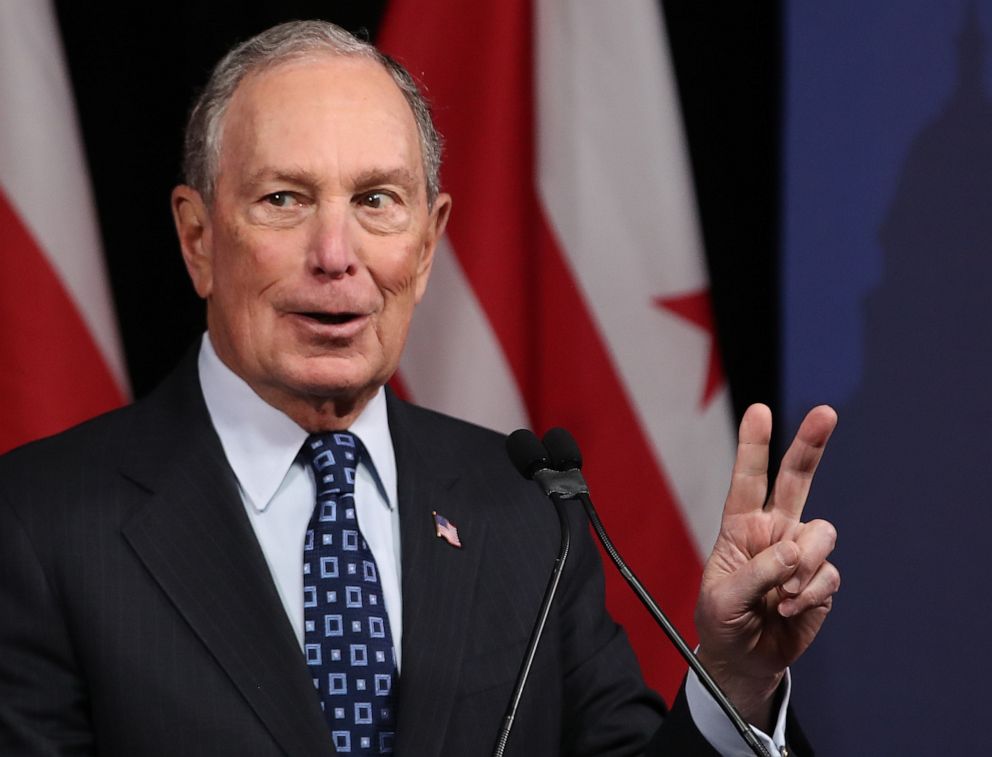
(250, 265)
(231, 271)
(400, 277)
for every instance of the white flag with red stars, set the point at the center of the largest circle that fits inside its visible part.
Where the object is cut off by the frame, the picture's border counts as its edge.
(60, 356)
(570, 288)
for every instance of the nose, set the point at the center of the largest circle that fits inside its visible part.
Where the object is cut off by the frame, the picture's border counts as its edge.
(333, 251)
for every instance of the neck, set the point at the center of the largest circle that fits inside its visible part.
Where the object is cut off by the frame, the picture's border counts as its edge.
(318, 414)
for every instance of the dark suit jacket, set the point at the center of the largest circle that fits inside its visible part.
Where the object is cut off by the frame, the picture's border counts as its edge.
(138, 616)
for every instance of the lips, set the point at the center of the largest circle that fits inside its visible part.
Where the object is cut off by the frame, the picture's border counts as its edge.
(331, 319)
(333, 325)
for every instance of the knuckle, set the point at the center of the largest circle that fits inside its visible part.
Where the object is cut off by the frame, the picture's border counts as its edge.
(825, 530)
(833, 578)
(820, 591)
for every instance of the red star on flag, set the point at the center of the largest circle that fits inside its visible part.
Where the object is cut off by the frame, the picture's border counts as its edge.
(696, 308)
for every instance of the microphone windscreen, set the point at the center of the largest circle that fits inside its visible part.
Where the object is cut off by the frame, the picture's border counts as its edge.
(562, 449)
(526, 452)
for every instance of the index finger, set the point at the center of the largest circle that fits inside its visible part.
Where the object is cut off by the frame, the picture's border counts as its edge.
(795, 476)
(749, 480)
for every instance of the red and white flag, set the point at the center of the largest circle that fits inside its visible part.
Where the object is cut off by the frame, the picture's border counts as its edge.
(60, 355)
(571, 288)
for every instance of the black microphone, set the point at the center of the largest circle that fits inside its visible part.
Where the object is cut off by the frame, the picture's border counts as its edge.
(563, 449)
(527, 453)
(566, 460)
(531, 459)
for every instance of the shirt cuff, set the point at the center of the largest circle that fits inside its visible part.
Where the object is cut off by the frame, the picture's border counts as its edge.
(717, 729)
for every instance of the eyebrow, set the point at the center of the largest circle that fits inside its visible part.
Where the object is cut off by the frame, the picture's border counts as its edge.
(298, 176)
(403, 177)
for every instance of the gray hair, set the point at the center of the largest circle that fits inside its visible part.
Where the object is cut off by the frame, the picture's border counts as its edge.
(294, 40)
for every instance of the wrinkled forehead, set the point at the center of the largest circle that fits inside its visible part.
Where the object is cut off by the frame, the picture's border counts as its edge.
(307, 106)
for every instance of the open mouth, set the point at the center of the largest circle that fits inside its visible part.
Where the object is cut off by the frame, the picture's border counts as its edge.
(331, 319)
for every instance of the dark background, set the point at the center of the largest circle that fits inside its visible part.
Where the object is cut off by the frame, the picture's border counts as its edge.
(134, 77)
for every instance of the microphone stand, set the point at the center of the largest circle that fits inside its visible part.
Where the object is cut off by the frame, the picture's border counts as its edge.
(563, 481)
(566, 482)
(538, 630)
(670, 631)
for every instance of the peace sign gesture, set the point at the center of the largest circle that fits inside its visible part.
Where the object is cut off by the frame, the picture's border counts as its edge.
(767, 586)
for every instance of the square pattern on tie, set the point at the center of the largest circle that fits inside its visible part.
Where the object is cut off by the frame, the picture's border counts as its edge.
(347, 642)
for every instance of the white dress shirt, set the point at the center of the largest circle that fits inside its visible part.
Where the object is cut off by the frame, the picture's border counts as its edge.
(262, 445)
(278, 491)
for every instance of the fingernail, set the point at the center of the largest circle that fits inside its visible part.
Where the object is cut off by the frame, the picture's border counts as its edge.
(791, 586)
(786, 608)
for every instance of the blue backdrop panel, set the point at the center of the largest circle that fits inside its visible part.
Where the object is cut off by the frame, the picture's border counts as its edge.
(887, 285)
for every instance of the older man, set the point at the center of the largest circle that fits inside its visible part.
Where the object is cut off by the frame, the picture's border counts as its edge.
(247, 562)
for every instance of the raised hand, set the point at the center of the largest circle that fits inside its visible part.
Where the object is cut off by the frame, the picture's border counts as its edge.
(767, 586)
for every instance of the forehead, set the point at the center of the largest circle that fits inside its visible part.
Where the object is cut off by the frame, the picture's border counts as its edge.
(317, 111)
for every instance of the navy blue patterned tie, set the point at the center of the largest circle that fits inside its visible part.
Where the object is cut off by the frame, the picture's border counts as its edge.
(347, 640)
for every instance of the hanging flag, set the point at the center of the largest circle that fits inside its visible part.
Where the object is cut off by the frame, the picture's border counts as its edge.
(60, 355)
(570, 288)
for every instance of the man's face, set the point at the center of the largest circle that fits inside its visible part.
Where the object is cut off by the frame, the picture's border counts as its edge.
(319, 240)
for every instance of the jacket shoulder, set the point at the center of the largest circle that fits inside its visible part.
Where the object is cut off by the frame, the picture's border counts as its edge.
(95, 449)
(81, 445)
(452, 443)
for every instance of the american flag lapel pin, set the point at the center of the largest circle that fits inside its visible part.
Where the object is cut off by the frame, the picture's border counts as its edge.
(445, 529)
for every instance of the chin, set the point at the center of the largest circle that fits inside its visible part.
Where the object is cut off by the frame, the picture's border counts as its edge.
(338, 378)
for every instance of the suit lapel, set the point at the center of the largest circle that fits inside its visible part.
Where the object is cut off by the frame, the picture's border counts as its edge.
(438, 586)
(194, 537)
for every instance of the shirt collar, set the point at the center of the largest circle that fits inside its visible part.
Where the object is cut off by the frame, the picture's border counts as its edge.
(261, 443)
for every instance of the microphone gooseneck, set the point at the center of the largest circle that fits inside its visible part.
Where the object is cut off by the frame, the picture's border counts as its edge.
(563, 452)
(530, 458)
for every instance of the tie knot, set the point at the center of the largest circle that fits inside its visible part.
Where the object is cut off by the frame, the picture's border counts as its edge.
(333, 457)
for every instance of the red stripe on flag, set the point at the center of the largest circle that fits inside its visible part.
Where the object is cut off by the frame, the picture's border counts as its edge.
(53, 375)
(580, 389)
(480, 81)
(473, 80)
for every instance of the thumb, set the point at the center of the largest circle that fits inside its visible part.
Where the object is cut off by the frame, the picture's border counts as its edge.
(766, 570)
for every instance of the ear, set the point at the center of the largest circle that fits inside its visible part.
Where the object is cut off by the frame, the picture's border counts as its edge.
(435, 230)
(192, 219)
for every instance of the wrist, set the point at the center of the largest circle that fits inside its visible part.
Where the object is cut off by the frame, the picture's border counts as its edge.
(754, 696)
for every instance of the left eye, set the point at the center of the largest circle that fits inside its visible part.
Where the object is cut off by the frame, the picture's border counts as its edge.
(376, 200)
(281, 199)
